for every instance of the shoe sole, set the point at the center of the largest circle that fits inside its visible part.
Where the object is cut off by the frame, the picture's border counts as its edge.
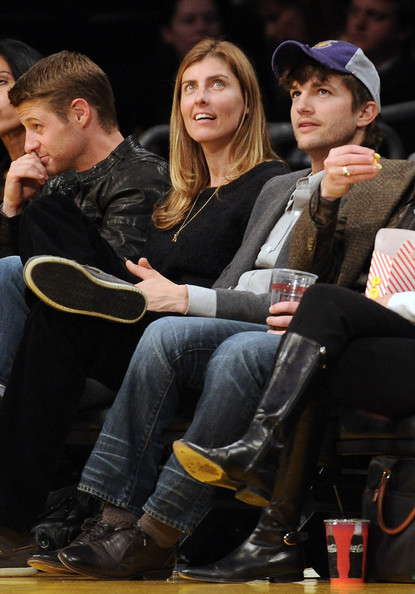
(66, 285)
(210, 473)
(156, 574)
(50, 567)
(17, 571)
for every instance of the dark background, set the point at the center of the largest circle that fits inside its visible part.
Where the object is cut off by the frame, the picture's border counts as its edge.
(122, 37)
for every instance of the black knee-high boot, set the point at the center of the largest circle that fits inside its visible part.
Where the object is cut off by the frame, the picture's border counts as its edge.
(236, 466)
(273, 550)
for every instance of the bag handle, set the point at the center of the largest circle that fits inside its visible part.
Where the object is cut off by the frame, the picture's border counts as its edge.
(382, 491)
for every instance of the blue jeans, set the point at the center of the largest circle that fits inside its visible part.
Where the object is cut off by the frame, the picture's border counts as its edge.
(208, 362)
(13, 312)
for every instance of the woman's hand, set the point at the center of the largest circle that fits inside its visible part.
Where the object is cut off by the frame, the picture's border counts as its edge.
(383, 300)
(282, 316)
(162, 294)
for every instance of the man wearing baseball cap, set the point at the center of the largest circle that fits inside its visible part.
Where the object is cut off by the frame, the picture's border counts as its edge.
(339, 205)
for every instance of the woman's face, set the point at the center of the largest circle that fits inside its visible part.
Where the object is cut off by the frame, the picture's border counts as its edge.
(211, 104)
(9, 118)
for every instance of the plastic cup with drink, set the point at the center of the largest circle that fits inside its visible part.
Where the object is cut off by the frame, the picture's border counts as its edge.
(289, 285)
(346, 548)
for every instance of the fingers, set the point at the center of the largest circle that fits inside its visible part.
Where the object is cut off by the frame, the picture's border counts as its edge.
(346, 165)
(284, 307)
(352, 162)
(145, 263)
(142, 270)
(29, 166)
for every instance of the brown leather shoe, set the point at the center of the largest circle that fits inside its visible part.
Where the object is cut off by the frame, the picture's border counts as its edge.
(15, 549)
(49, 561)
(125, 553)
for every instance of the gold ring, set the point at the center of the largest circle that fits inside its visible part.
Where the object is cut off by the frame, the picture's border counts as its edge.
(346, 172)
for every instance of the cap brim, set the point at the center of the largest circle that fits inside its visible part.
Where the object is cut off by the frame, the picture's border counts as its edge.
(287, 53)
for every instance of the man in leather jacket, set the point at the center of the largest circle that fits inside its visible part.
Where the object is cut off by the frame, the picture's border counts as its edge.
(81, 189)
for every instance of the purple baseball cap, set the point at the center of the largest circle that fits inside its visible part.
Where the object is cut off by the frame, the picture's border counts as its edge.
(340, 56)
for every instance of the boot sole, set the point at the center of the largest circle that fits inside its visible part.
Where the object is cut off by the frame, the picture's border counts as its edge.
(67, 286)
(210, 473)
(294, 577)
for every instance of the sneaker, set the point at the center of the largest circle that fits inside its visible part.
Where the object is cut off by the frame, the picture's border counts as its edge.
(76, 288)
(15, 549)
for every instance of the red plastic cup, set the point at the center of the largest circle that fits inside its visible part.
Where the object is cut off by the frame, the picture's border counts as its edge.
(346, 548)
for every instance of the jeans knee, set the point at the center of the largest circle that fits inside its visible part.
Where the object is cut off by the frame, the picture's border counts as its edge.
(11, 268)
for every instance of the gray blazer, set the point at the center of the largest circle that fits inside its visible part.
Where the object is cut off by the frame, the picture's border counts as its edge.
(269, 207)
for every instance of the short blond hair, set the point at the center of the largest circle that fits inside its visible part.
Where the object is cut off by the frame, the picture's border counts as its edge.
(60, 78)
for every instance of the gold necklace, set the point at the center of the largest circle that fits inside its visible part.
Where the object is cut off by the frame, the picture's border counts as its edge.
(188, 220)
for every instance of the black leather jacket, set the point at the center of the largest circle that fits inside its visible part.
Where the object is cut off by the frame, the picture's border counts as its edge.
(118, 194)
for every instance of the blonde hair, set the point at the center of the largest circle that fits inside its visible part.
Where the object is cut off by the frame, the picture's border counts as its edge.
(60, 78)
(188, 168)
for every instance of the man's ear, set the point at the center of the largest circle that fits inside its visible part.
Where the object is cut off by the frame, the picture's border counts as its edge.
(367, 114)
(80, 111)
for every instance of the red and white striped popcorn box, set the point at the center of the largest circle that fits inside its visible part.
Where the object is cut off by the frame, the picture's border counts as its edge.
(392, 268)
(402, 272)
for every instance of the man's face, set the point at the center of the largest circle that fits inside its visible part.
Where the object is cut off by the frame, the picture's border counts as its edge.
(372, 25)
(322, 116)
(59, 144)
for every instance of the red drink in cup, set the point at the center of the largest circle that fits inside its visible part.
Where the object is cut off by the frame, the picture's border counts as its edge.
(346, 548)
(289, 285)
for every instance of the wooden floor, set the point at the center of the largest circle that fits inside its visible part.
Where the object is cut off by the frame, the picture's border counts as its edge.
(43, 583)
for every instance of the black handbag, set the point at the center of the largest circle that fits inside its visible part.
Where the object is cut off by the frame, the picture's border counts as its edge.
(62, 519)
(389, 504)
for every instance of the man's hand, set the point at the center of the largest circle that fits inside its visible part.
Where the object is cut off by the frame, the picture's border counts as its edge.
(162, 294)
(24, 179)
(346, 165)
(282, 316)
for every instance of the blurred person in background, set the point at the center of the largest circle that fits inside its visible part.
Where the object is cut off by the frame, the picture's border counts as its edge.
(385, 30)
(15, 58)
(183, 23)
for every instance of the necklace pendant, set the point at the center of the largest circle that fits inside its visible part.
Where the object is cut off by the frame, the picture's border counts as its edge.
(174, 238)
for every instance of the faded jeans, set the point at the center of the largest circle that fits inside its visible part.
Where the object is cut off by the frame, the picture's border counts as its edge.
(13, 312)
(207, 363)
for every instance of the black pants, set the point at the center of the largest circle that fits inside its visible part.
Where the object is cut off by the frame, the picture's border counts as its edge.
(54, 226)
(58, 352)
(370, 349)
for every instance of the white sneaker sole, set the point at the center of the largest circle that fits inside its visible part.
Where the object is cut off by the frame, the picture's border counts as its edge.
(18, 571)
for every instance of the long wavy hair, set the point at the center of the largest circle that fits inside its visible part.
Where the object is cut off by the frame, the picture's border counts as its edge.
(251, 145)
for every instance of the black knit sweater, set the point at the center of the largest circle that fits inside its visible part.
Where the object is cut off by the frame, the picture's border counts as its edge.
(208, 243)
